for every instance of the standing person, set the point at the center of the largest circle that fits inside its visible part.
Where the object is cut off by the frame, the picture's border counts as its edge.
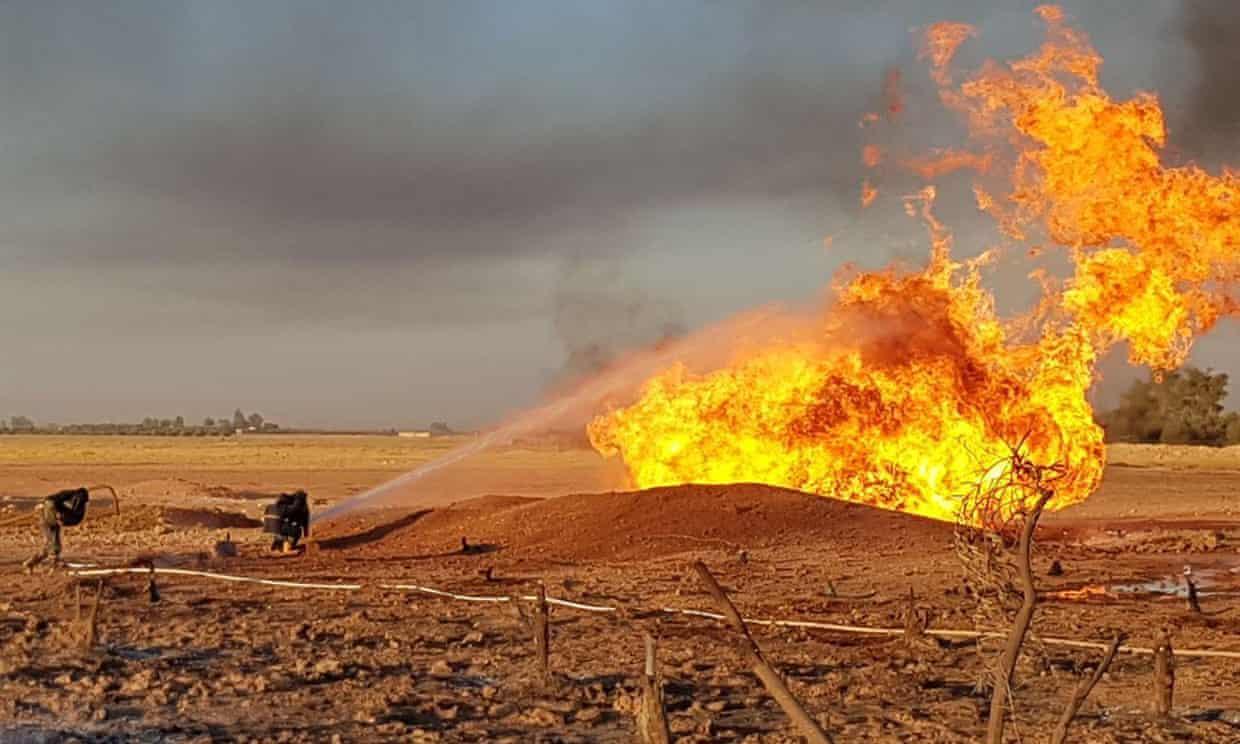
(64, 508)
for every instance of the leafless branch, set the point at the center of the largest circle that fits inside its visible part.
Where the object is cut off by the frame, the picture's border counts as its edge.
(766, 673)
(1082, 691)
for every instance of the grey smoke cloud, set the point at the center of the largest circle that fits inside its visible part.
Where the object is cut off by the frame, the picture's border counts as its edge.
(308, 168)
(601, 311)
(436, 190)
(1209, 125)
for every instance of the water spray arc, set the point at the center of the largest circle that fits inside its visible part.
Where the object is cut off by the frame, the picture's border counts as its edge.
(585, 396)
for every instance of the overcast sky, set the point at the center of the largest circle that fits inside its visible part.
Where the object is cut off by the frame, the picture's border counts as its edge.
(388, 213)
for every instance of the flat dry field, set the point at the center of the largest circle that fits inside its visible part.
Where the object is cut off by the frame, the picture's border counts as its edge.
(214, 660)
(330, 468)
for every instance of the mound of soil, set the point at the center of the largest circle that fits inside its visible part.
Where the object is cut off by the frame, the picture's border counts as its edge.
(133, 518)
(211, 519)
(626, 525)
(140, 517)
(184, 490)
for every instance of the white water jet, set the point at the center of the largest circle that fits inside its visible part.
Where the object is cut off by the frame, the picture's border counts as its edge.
(627, 373)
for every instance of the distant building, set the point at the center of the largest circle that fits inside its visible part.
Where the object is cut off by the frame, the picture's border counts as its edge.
(414, 434)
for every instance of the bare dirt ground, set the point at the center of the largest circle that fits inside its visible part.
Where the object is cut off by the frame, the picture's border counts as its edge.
(223, 661)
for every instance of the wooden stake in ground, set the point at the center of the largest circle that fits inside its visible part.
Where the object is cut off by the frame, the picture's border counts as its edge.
(542, 634)
(651, 716)
(914, 622)
(152, 590)
(90, 634)
(770, 679)
(1006, 671)
(1082, 691)
(1164, 675)
(1190, 595)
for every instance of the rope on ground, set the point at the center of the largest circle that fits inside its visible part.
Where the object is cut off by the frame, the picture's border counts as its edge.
(807, 624)
(218, 577)
(476, 598)
(948, 633)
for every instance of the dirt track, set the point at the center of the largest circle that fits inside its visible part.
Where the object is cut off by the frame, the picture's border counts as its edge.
(225, 661)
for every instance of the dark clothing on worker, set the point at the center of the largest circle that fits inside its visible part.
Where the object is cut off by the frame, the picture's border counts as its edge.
(66, 508)
(287, 520)
(70, 506)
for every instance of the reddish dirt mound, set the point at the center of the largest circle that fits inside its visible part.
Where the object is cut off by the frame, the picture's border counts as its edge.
(184, 490)
(212, 519)
(133, 518)
(625, 525)
(138, 517)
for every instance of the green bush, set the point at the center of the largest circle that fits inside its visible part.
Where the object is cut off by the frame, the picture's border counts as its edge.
(1182, 407)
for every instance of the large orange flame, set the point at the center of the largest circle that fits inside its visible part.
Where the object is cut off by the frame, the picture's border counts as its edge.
(911, 391)
(1155, 247)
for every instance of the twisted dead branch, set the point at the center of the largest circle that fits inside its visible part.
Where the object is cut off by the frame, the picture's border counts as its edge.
(999, 516)
(1006, 671)
(1082, 691)
(770, 678)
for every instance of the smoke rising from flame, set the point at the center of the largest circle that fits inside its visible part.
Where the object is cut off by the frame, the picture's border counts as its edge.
(574, 403)
(908, 390)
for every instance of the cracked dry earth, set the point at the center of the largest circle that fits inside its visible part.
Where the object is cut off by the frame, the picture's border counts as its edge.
(215, 661)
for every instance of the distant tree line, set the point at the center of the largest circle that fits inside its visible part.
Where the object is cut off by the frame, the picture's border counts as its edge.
(210, 426)
(1183, 407)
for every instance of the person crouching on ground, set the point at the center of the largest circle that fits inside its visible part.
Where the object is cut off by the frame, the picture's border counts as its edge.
(287, 521)
(61, 509)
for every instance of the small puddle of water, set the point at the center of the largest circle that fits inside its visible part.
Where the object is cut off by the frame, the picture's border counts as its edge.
(1210, 582)
(1207, 581)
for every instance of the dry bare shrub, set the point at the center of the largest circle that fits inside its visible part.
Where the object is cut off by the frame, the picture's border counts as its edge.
(991, 519)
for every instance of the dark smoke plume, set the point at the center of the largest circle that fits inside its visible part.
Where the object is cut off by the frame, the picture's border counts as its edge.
(1211, 120)
(600, 314)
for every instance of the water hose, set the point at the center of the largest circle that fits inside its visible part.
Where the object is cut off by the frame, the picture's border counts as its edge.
(970, 634)
(116, 500)
(30, 515)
